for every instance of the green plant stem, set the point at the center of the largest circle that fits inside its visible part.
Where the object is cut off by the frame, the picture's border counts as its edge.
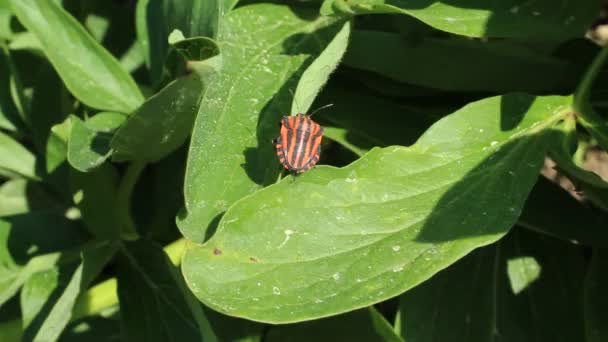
(583, 91)
(98, 298)
(591, 120)
(123, 201)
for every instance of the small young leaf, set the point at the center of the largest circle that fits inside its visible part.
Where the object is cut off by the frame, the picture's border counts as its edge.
(89, 143)
(317, 74)
(361, 234)
(156, 19)
(90, 72)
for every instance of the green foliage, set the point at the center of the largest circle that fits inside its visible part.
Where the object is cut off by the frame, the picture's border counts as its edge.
(128, 126)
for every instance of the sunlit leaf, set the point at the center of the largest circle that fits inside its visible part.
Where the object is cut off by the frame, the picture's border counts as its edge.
(357, 235)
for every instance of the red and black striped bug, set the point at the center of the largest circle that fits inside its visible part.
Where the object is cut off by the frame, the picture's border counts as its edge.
(299, 143)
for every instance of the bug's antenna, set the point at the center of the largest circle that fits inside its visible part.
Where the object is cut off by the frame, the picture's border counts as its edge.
(295, 100)
(322, 107)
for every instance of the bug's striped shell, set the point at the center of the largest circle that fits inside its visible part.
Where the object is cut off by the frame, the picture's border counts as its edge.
(299, 143)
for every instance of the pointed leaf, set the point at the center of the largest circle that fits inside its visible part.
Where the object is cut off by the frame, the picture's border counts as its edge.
(334, 240)
(90, 72)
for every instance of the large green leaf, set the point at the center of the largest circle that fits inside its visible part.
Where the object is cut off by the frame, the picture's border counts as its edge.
(524, 288)
(231, 154)
(89, 143)
(361, 325)
(16, 159)
(337, 239)
(151, 290)
(156, 19)
(46, 322)
(480, 18)
(596, 302)
(90, 72)
(457, 63)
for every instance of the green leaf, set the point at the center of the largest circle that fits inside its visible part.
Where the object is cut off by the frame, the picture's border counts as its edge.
(596, 303)
(6, 32)
(151, 290)
(572, 222)
(19, 196)
(16, 159)
(506, 291)
(95, 196)
(89, 143)
(162, 123)
(358, 235)
(361, 325)
(317, 74)
(457, 63)
(231, 153)
(28, 248)
(478, 18)
(49, 320)
(90, 72)
(156, 19)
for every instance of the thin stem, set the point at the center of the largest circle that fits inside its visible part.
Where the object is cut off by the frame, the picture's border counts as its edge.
(583, 92)
(123, 200)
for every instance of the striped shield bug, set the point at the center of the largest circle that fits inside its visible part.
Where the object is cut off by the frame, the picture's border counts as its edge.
(299, 143)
